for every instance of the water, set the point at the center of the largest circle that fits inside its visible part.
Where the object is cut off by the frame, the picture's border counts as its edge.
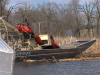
(71, 68)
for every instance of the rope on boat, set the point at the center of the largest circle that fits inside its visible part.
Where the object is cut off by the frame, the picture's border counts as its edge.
(60, 66)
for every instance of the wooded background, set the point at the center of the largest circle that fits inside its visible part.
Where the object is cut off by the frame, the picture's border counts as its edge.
(68, 19)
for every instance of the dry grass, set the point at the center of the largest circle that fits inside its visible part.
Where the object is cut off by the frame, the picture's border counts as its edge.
(64, 40)
(68, 59)
(93, 51)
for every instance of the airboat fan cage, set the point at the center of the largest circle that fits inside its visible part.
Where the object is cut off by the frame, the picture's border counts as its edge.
(14, 39)
(8, 33)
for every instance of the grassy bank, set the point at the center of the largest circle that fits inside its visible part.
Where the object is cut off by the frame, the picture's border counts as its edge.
(68, 59)
(93, 51)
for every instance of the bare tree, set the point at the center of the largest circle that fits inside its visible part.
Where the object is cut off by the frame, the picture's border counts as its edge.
(88, 10)
(3, 4)
(75, 16)
(97, 15)
(58, 19)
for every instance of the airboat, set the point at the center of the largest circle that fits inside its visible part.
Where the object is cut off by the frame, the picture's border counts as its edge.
(23, 45)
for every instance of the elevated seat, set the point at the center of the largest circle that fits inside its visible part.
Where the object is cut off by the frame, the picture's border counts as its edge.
(26, 35)
(29, 40)
(47, 41)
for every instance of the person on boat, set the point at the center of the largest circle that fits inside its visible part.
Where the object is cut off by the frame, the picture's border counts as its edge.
(53, 42)
(26, 28)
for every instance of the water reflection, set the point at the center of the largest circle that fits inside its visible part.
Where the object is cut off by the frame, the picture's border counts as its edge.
(72, 68)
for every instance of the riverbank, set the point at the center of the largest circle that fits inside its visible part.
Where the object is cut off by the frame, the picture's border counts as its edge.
(80, 59)
(68, 59)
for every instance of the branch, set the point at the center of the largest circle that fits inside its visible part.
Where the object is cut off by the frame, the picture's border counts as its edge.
(11, 8)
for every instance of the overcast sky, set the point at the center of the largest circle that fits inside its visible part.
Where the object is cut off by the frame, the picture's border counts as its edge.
(13, 2)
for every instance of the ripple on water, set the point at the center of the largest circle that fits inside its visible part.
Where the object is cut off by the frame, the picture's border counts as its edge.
(71, 67)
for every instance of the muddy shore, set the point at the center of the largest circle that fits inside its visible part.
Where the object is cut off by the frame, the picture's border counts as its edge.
(82, 57)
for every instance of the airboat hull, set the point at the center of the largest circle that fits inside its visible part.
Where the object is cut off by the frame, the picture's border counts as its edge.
(65, 51)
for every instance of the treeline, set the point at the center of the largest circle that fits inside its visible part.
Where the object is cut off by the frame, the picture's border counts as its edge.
(68, 19)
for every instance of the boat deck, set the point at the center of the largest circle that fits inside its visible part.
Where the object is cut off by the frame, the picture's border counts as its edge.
(65, 51)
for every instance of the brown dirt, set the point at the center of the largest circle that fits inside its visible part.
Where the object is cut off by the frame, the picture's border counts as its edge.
(68, 59)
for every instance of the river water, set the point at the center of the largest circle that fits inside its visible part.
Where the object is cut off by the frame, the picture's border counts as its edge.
(50, 68)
